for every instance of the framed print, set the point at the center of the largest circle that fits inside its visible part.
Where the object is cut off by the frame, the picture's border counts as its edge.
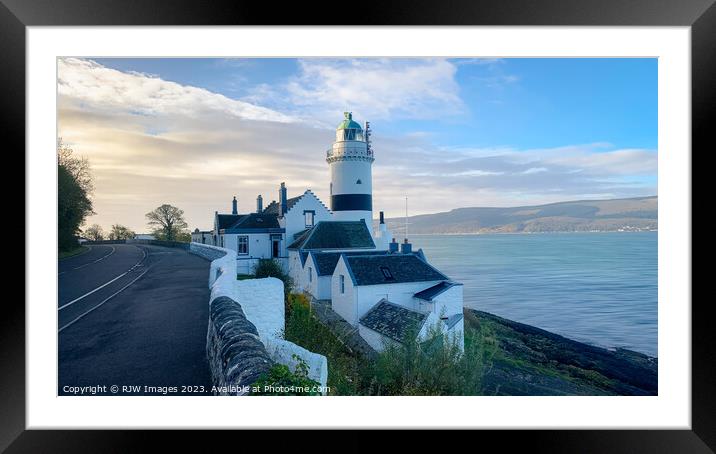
(411, 217)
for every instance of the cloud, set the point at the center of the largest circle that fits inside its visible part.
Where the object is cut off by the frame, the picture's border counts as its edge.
(378, 89)
(99, 87)
(152, 141)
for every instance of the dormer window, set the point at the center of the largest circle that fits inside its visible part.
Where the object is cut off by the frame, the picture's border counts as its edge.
(386, 273)
(308, 215)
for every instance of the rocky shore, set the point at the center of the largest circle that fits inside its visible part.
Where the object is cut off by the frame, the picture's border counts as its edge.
(532, 361)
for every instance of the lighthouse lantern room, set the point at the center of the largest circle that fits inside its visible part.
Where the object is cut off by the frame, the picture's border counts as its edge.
(350, 161)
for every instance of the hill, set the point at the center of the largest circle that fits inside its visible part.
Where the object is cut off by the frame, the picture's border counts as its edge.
(634, 214)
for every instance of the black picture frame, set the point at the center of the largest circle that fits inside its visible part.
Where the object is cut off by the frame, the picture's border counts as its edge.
(700, 15)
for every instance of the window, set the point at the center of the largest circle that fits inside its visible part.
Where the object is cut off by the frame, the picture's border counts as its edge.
(386, 273)
(342, 280)
(309, 217)
(242, 242)
(222, 240)
(310, 274)
(359, 182)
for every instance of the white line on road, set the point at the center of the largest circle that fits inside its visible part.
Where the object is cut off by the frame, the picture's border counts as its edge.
(104, 301)
(105, 284)
(89, 263)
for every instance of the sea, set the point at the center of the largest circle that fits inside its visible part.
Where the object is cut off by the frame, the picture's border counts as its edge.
(597, 288)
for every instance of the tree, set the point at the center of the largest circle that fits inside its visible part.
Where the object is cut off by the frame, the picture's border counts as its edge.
(120, 232)
(167, 222)
(74, 185)
(94, 233)
(78, 167)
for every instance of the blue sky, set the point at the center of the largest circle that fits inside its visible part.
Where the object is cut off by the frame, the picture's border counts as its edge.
(459, 132)
(523, 103)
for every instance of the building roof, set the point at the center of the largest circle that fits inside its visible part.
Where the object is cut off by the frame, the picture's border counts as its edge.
(326, 261)
(274, 207)
(336, 235)
(257, 221)
(390, 269)
(348, 122)
(300, 239)
(227, 220)
(393, 321)
(429, 293)
(304, 256)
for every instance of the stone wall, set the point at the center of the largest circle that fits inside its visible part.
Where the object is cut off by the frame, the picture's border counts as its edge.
(237, 357)
(246, 323)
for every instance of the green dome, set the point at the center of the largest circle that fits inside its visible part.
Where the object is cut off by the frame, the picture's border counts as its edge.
(348, 122)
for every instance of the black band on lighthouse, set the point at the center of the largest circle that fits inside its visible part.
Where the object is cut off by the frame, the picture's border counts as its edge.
(352, 202)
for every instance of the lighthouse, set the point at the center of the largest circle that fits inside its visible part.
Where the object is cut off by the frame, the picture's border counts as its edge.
(350, 161)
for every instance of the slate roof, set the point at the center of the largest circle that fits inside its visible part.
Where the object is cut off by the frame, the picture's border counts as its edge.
(300, 240)
(326, 261)
(227, 220)
(429, 293)
(304, 256)
(336, 235)
(273, 207)
(393, 321)
(257, 221)
(369, 269)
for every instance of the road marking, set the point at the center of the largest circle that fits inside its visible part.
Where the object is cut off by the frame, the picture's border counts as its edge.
(99, 259)
(106, 283)
(89, 263)
(104, 301)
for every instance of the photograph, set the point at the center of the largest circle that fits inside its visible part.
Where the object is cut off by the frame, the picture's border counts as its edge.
(357, 226)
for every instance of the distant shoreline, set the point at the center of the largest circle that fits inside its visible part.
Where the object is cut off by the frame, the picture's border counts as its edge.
(533, 233)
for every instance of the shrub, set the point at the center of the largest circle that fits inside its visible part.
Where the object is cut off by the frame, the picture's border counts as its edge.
(302, 328)
(435, 366)
(280, 381)
(272, 268)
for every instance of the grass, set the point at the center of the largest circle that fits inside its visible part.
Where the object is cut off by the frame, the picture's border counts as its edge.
(73, 252)
(243, 277)
(412, 368)
(305, 330)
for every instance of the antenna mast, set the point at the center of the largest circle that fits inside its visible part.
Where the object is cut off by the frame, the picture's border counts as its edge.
(406, 218)
(368, 133)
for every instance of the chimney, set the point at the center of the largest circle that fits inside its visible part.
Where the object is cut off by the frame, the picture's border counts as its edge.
(393, 246)
(283, 199)
(382, 218)
(234, 207)
(406, 248)
(259, 204)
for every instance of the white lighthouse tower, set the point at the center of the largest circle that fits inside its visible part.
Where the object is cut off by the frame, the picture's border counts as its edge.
(350, 160)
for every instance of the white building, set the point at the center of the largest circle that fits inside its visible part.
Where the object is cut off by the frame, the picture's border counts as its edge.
(202, 236)
(405, 279)
(384, 289)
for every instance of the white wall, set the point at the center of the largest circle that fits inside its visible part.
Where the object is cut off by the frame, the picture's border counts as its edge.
(401, 294)
(295, 221)
(295, 269)
(323, 288)
(263, 304)
(374, 338)
(449, 301)
(343, 304)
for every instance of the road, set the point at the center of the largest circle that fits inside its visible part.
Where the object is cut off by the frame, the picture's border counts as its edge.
(133, 315)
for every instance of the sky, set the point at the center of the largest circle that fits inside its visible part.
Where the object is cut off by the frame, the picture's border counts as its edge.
(447, 133)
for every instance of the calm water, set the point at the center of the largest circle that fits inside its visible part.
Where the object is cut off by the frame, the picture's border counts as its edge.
(598, 288)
